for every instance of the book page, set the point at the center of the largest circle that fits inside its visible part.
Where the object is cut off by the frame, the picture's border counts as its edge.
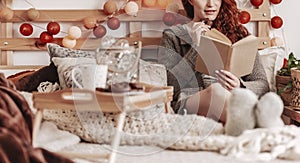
(214, 33)
(246, 40)
(213, 55)
(243, 56)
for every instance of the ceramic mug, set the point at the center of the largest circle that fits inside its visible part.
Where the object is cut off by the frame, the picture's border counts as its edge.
(91, 75)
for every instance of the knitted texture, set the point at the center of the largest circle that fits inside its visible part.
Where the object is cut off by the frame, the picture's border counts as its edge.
(155, 128)
(150, 127)
(262, 144)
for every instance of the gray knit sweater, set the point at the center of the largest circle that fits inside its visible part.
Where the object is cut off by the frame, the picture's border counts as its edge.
(179, 57)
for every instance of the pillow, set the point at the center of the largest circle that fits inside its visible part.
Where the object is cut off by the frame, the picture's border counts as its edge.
(31, 81)
(152, 73)
(272, 59)
(64, 68)
(55, 50)
(16, 77)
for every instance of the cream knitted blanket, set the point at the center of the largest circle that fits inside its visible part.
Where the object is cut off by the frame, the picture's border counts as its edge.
(155, 128)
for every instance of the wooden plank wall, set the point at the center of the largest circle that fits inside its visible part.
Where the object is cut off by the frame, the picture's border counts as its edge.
(8, 44)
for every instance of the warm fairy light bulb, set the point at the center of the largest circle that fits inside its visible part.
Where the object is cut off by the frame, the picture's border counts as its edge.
(26, 29)
(131, 8)
(90, 22)
(110, 7)
(244, 17)
(276, 22)
(256, 3)
(53, 28)
(163, 3)
(68, 43)
(6, 14)
(172, 7)
(277, 41)
(74, 32)
(149, 3)
(99, 31)
(275, 1)
(33, 14)
(169, 19)
(113, 23)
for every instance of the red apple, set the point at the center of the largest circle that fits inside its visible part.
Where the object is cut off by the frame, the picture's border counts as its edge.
(45, 37)
(53, 28)
(169, 19)
(244, 17)
(275, 1)
(113, 23)
(26, 29)
(256, 3)
(99, 31)
(276, 22)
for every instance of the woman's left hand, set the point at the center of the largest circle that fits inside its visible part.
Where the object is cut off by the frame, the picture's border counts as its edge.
(227, 79)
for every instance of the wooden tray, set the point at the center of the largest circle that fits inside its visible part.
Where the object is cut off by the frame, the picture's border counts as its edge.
(86, 100)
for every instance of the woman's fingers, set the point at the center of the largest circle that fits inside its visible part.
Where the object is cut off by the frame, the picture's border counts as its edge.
(227, 79)
(222, 80)
(200, 25)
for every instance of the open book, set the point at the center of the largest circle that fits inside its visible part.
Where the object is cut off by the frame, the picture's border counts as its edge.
(216, 52)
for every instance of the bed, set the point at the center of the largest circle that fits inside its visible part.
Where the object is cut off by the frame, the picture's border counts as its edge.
(151, 144)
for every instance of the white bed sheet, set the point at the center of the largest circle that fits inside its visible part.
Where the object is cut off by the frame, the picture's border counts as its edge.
(148, 154)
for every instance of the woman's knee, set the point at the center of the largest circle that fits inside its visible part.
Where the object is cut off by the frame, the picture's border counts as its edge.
(217, 92)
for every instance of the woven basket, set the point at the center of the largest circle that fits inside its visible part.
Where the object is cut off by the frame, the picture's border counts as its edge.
(295, 74)
(281, 82)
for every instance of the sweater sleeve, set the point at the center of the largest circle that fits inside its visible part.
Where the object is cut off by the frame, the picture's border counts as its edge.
(257, 80)
(179, 59)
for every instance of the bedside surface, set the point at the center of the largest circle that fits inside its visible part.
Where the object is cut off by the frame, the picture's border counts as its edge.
(293, 113)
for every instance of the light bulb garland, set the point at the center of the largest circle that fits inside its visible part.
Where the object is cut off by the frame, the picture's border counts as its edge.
(256, 3)
(74, 33)
(110, 8)
(169, 18)
(26, 29)
(276, 21)
(6, 14)
(33, 14)
(131, 8)
(279, 41)
(275, 1)
(244, 17)
(149, 3)
(90, 23)
(161, 4)
(113, 23)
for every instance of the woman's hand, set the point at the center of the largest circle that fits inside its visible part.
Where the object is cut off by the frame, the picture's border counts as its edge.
(228, 80)
(196, 30)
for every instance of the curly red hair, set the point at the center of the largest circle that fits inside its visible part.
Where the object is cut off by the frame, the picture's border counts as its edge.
(227, 20)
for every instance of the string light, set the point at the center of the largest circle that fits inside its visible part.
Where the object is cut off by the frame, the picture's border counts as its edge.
(89, 23)
(282, 31)
(111, 10)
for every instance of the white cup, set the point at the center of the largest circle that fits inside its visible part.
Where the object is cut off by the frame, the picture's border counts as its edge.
(92, 76)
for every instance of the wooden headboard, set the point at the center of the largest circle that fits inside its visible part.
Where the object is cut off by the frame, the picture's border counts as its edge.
(9, 44)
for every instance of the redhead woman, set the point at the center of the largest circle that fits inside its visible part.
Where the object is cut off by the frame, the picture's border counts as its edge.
(196, 93)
